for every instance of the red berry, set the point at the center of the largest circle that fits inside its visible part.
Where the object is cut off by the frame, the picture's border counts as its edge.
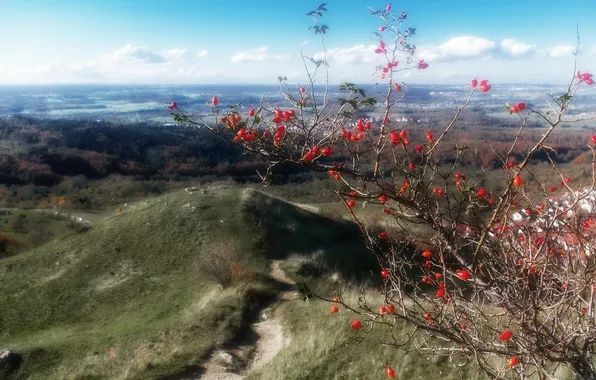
(215, 101)
(506, 335)
(463, 274)
(412, 166)
(173, 105)
(514, 109)
(302, 90)
(390, 308)
(517, 180)
(251, 113)
(335, 299)
(351, 203)
(382, 310)
(394, 136)
(383, 198)
(438, 276)
(383, 236)
(553, 189)
(309, 156)
(249, 137)
(513, 361)
(403, 134)
(384, 273)
(326, 152)
(484, 87)
(593, 139)
(441, 292)
(387, 211)
(474, 83)
(356, 324)
(521, 106)
(481, 193)
(334, 309)
(427, 254)
(419, 148)
(390, 373)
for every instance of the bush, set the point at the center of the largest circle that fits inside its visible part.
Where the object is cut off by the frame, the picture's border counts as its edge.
(221, 263)
(495, 270)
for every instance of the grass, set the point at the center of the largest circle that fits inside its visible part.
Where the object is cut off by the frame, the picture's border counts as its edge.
(281, 230)
(130, 299)
(35, 230)
(127, 299)
(323, 347)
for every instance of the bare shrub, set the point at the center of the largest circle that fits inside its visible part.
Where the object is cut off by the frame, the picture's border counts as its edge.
(221, 263)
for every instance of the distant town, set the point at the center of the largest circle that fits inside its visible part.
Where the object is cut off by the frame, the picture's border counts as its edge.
(136, 103)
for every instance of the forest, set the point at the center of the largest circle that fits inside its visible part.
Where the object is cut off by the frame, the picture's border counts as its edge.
(97, 164)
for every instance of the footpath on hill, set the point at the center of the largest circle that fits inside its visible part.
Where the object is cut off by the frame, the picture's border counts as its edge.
(269, 342)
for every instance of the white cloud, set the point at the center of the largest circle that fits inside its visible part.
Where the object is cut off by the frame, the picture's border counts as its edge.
(461, 47)
(517, 49)
(174, 54)
(128, 64)
(355, 54)
(255, 55)
(133, 53)
(305, 42)
(560, 51)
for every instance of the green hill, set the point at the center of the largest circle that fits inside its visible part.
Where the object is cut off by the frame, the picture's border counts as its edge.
(137, 295)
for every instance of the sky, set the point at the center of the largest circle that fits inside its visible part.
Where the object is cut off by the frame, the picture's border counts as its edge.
(255, 41)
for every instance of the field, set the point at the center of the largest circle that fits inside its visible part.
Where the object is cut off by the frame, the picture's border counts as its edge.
(135, 298)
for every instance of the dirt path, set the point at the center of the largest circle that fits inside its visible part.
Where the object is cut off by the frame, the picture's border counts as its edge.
(270, 339)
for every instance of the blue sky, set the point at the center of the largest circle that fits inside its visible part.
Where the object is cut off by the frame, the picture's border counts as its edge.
(254, 41)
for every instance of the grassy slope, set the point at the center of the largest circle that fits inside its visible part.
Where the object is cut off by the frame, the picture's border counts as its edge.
(323, 347)
(126, 299)
(46, 228)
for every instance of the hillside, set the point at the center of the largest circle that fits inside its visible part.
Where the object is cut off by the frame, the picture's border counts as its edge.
(130, 298)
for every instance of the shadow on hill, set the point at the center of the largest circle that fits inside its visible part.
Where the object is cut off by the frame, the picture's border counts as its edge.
(281, 230)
